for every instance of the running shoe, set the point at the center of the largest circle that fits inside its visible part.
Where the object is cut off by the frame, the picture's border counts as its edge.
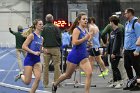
(17, 77)
(104, 73)
(83, 73)
(54, 88)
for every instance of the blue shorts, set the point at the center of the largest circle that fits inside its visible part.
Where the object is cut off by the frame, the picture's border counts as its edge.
(76, 58)
(31, 60)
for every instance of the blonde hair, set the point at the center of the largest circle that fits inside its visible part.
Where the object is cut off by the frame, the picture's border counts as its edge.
(28, 32)
(31, 29)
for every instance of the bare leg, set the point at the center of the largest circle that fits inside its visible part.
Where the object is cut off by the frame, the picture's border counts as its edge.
(67, 75)
(100, 61)
(91, 60)
(86, 67)
(27, 76)
(37, 72)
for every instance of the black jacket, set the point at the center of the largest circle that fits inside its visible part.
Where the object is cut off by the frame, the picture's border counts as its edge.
(115, 42)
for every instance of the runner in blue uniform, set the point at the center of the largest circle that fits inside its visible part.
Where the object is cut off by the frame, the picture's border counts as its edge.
(78, 55)
(33, 46)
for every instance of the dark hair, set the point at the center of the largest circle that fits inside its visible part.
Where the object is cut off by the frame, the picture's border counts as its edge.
(76, 21)
(131, 10)
(114, 19)
(91, 19)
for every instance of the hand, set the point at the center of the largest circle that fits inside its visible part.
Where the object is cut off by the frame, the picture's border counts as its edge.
(45, 50)
(87, 36)
(104, 45)
(105, 53)
(10, 29)
(37, 53)
(112, 56)
(89, 43)
(136, 53)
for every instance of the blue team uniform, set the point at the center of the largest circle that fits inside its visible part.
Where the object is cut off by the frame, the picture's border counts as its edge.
(78, 52)
(35, 45)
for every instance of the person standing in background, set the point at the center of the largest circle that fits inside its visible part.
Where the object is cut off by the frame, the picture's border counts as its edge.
(52, 43)
(19, 41)
(115, 44)
(131, 51)
(106, 31)
(66, 39)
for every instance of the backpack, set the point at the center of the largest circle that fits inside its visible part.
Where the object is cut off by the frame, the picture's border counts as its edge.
(134, 24)
(135, 20)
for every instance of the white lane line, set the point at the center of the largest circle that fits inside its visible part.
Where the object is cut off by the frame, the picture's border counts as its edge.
(3, 70)
(21, 88)
(9, 71)
(14, 86)
(2, 51)
(1, 57)
(11, 67)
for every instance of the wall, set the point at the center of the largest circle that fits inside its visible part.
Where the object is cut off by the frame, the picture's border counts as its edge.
(12, 14)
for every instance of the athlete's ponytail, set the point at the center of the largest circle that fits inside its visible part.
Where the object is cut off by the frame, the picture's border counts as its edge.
(31, 28)
(28, 32)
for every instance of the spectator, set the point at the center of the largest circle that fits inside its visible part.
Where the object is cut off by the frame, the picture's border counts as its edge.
(131, 51)
(106, 31)
(115, 44)
(19, 41)
(52, 43)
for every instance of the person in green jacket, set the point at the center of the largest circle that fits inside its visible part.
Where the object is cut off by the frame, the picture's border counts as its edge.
(52, 43)
(19, 41)
(108, 29)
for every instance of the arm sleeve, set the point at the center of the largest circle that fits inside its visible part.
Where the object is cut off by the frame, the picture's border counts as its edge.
(117, 43)
(58, 35)
(137, 31)
(12, 32)
(106, 30)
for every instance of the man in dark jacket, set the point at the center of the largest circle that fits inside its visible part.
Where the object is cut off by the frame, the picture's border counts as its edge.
(107, 30)
(51, 44)
(115, 51)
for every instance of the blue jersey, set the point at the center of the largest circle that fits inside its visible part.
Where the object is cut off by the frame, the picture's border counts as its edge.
(35, 45)
(131, 35)
(78, 52)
